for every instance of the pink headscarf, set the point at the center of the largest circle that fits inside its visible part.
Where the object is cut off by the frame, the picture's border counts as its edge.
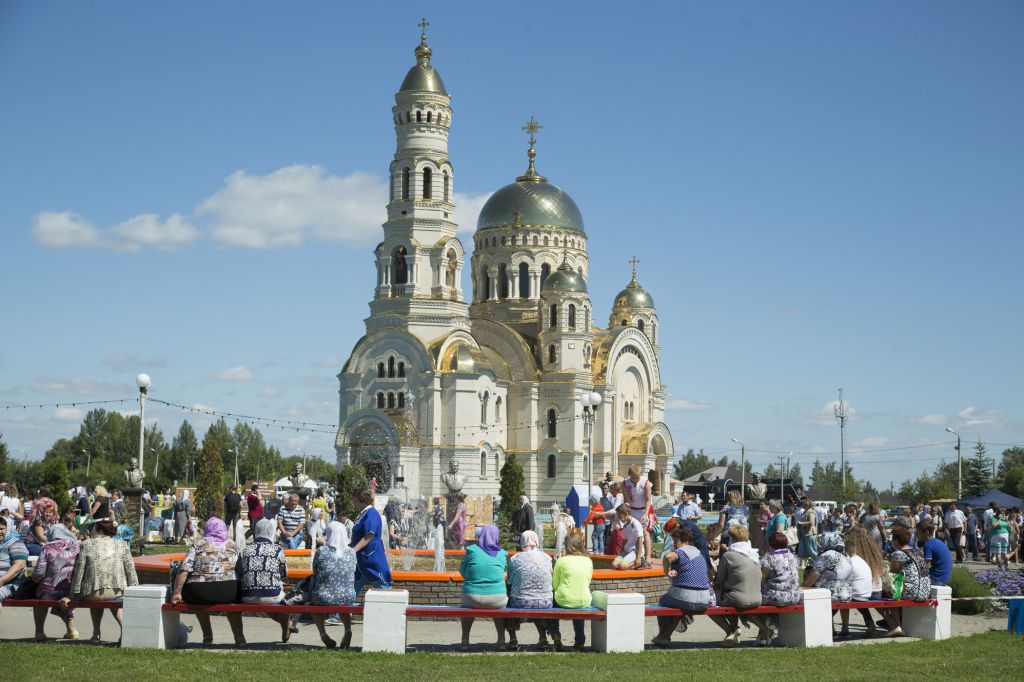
(39, 509)
(215, 532)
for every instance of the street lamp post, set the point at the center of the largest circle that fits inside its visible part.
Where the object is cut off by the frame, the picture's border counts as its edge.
(143, 382)
(590, 401)
(959, 466)
(743, 469)
(156, 469)
(235, 452)
(88, 462)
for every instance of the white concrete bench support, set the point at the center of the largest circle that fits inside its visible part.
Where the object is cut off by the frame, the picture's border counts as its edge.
(927, 622)
(384, 622)
(145, 623)
(622, 630)
(812, 627)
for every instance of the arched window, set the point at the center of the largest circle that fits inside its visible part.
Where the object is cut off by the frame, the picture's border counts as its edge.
(552, 354)
(625, 323)
(419, 117)
(503, 279)
(400, 266)
(401, 400)
(427, 175)
(483, 407)
(553, 316)
(430, 117)
(401, 369)
(453, 263)
(535, 240)
(545, 270)
(380, 370)
(524, 280)
(408, 117)
(405, 184)
(497, 409)
(545, 241)
(640, 325)
(503, 241)
(552, 470)
(391, 400)
(572, 316)
(446, 187)
(391, 368)
(380, 401)
(552, 424)
(483, 463)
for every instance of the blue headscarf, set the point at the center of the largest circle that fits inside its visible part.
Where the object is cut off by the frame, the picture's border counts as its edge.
(831, 541)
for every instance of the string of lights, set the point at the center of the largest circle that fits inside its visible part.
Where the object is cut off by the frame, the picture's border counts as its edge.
(76, 403)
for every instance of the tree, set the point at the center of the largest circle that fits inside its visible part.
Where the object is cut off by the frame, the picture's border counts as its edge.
(210, 482)
(1013, 480)
(977, 472)
(733, 464)
(691, 464)
(5, 465)
(941, 485)
(54, 473)
(351, 479)
(512, 486)
(1011, 457)
(184, 450)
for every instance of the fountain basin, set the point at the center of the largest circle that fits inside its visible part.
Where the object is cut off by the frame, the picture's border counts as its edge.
(426, 586)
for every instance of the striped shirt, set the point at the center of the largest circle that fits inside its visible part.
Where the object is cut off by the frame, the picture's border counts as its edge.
(292, 518)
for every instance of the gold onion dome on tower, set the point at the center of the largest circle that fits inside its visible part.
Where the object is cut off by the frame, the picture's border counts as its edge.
(423, 77)
(634, 295)
(565, 279)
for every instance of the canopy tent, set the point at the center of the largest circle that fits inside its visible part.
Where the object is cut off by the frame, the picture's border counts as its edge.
(994, 495)
(287, 483)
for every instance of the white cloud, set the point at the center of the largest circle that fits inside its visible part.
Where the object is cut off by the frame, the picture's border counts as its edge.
(826, 416)
(240, 373)
(684, 405)
(300, 441)
(131, 362)
(270, 392)
(66, 229)
(76, 386)
(972, 416)
(68, 414)
(933, 420)
(282, 209)
(873, 442)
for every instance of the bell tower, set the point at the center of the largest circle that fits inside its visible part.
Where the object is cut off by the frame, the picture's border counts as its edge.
(419, 263)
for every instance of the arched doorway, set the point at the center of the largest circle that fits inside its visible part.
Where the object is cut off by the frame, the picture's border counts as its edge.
(371, 445)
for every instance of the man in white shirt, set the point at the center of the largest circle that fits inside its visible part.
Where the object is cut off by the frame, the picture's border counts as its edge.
(987, 519)
(955, 522)
(686, 509)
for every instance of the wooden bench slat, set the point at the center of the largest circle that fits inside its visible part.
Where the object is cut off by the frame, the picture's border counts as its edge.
(882, 604)
(356, 609)
(75, 604)
(463, 612)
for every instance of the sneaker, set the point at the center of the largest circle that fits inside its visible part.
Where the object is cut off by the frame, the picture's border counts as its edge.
(661, 642)
(333, 620)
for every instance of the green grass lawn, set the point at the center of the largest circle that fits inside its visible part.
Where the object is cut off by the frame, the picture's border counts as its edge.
(989, 656)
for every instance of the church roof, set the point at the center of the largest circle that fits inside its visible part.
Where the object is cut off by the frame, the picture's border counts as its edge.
(423, 77)
(565, 279)
(530, 204)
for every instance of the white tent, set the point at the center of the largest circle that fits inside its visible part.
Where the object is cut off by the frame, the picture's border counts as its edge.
(287, 484)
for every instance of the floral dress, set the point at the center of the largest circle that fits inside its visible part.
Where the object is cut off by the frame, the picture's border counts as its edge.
(56, 564)
(207, 563)
(917, 584)
(780, 587)
(334, 575)
(529, 581)
(835, 574)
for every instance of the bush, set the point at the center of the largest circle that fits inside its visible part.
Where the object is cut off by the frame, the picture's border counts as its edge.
(964, 584)
(209, 483)
(512, 486)
(351, 479)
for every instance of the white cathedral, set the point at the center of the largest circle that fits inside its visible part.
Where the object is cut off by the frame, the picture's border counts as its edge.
(435, 380)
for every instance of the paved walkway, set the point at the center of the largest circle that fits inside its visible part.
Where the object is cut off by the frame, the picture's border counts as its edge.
(264, 635)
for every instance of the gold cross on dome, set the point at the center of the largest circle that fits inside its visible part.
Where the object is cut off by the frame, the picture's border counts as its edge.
(634, 260)
(532, 127)
(423, 25)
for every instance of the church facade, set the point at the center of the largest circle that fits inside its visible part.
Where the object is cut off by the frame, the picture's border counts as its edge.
(445, 375)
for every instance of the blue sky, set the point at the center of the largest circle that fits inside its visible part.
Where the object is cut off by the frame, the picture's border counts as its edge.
(820, 194)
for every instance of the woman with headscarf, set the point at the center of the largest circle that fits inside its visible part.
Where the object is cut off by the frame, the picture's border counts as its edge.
(207, 575)
(52, 575)
(529, 579)
(103, 569)
(182, 515)
(483, 581)
(523, 520)
(315, 528)
(261, 571)
(779, 584)
(737, 582)
(832, 570)
(333, 581)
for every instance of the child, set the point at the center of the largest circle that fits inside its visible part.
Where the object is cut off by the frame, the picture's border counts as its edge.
(596, 517)
(632, 553)
(714, 543)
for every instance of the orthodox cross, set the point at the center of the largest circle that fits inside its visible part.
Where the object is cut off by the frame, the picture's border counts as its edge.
(423, 25)
(532, 127)
(634, 260)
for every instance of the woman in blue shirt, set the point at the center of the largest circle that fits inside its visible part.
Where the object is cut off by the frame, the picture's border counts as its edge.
(371, 558)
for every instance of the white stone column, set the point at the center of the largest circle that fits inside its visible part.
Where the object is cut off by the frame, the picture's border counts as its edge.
(534, 288)
(622, 630)
(513, 278)
(813, 626)
(492, 278)
(930, 622)
(146, 626)
(384, 624)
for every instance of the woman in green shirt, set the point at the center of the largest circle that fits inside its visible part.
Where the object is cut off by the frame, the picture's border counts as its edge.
(483, 581)
(999, 538)
(571, 584)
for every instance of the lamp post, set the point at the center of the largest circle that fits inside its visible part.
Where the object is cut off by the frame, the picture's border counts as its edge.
(143, 382)
(156, 469)
(590, 401)
(88, 462)
(235, 452)
(743, 469)
(959, 466)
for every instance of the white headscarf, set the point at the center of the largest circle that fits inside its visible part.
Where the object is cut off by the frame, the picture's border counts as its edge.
(524, 500)
(530, 542)
(337, 536)
(184, 495)
(266, 528)
(746, 550)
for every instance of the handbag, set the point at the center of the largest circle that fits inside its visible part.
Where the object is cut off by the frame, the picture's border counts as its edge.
(791, 535)
(897, 586)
